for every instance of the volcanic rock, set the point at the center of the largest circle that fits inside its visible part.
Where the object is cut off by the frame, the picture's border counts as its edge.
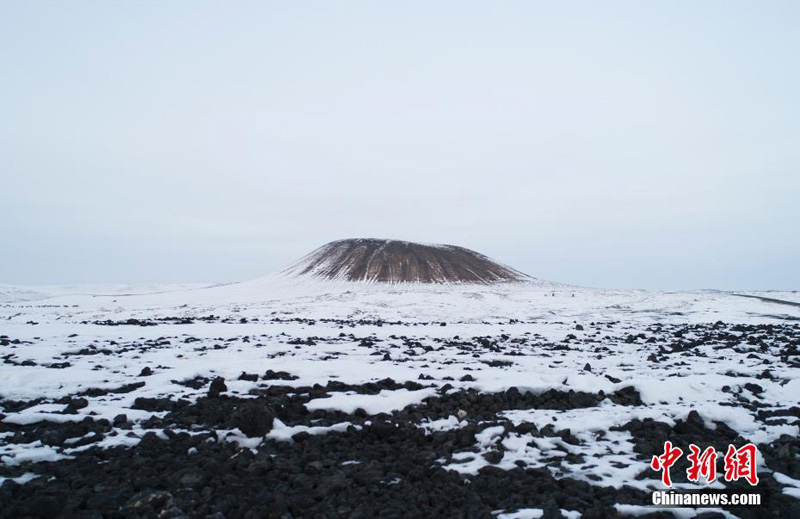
(254, 419)
(217, 386)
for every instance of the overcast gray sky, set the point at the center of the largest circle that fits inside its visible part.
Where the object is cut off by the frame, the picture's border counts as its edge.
(613, 144)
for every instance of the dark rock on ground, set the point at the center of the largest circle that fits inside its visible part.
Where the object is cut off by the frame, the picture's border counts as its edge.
(254, 419)
(217, 386)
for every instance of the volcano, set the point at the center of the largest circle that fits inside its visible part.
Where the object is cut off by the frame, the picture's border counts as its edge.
(395, 261)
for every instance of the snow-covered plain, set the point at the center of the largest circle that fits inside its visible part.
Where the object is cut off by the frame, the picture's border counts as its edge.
(537, 336)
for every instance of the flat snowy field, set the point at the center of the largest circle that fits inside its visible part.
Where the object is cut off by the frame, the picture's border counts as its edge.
(527, 380)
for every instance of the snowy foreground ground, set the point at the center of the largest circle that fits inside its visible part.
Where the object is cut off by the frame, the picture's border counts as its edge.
(351, 400)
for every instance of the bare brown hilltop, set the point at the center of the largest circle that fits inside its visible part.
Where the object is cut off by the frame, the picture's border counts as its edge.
(394, 261)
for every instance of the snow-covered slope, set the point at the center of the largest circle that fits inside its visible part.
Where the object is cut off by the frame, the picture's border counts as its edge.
(313, 298)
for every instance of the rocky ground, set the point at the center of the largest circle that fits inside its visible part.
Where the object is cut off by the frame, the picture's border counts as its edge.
(192, 425)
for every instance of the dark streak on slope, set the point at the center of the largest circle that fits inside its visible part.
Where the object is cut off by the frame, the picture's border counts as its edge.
(770, 300)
